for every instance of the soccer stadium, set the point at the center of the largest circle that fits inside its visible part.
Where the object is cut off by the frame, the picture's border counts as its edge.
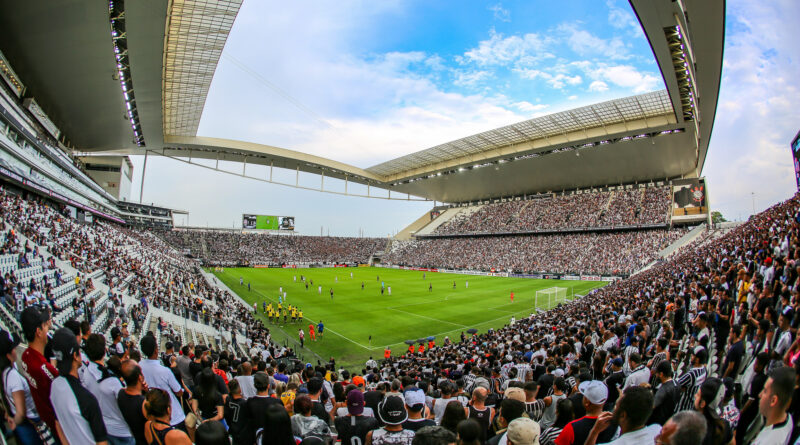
(568, 282)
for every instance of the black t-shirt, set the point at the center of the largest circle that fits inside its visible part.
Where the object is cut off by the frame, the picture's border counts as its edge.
(238, 419)
(194, 369)
(257, 408)
(208, 404)
(318, 410)
(614, 383)
(372, 399)
(416, 424)
(577, 404)
(545, 385)
(734, 355)
(667, 396)
(349, 427)
(131, 409)
(725, 308)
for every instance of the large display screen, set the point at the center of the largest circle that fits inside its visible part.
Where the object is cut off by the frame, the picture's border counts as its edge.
(689, 197)
(796, 158)
(267, 222)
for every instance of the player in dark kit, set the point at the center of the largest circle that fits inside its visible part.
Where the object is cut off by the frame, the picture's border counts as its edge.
(331, 293)
(430, 287)
(362, 285)
(454, 284)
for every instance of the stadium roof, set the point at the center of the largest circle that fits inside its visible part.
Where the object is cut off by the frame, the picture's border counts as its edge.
(75, 57)
(654, 106)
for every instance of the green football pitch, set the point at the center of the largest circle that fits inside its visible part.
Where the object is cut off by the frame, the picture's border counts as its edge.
(412, 311)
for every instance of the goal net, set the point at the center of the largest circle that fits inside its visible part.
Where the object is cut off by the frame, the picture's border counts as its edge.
(551, 297)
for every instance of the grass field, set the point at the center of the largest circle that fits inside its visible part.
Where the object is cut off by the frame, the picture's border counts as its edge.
(411, 312)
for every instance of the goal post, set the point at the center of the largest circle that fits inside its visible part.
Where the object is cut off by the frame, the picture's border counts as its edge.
(550, 297)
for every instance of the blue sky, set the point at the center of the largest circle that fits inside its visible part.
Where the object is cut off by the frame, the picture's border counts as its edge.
(363, 82)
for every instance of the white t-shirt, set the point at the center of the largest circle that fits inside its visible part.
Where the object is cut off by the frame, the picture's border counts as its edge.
(641, 436)
(13, 382)
(159, 376)
(247, 386)
(778, 434)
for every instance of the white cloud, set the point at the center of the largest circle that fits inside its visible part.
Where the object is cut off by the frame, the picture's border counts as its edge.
(625, 76)
(557, 81)
(584, 43)
(598, 85)
(529, 107)
(500, 13)
(435, 62)
(500, 50)
(573, 97)
(470, 78)
(620, 16)
(757, 112)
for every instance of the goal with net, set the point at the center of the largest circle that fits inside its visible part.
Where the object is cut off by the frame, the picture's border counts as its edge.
(551, 297)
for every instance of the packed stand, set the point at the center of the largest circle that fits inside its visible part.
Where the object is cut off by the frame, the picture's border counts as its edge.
(701, 349)
(243, 248)
(606, 253)
(635, 207)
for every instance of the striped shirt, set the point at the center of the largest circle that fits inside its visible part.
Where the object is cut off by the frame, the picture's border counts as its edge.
(689, 382)
(549, 435)
(626, 367)
(658, 358)
(535, 409)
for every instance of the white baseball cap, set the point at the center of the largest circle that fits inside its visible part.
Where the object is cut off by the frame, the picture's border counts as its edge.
(595, 391)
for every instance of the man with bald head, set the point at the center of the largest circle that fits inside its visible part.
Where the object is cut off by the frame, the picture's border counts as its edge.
(245, 379)
(478, 410)
(684, 428)
(130, 399)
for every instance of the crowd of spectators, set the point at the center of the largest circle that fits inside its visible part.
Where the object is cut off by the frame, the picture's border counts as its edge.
(701, 348)
(634, 207)
(243, 248)
(594, 253)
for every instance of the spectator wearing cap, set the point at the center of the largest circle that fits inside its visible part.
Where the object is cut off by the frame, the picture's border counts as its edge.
(684, 428)
(773, 404)
(640, 374)
(305, 423)
(355, 423)
(21, 409)
(631, 413)
(523, 431)
(117, 347)
(393, 414)
(666, 396)
(77, 409)
(159, 376)
(38, 370)
(595, 394)
(415, 405)
(689, 382)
